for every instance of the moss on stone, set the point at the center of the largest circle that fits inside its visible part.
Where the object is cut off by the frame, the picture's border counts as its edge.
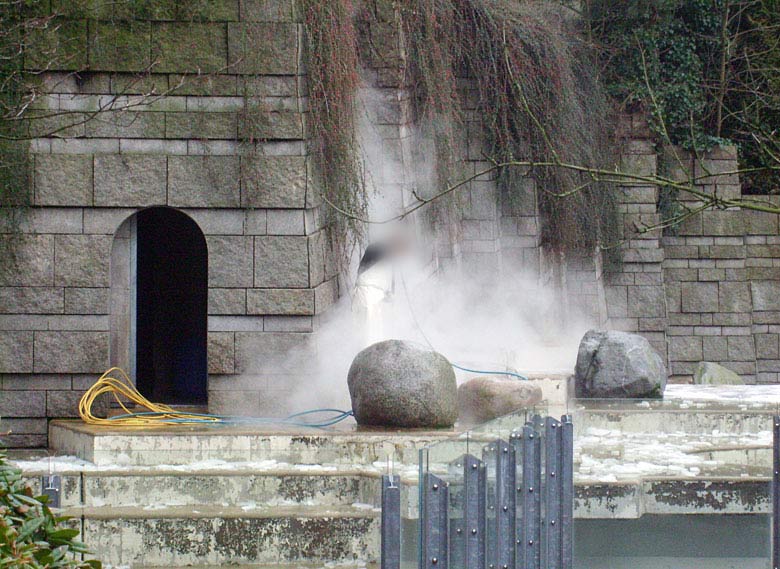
(115, 10)
(208, 10)
(119, 46)
(15, 177)
(189, 47)
(200, 125)
(260, 124)
(138, 84)
(263, 48)
(270, 11)
(61, 46)
(211, 85)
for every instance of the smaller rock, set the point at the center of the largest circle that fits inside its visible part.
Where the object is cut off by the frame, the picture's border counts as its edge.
(485, 398)
(709, 373)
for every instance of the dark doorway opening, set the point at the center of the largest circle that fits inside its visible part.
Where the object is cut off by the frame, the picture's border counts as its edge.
(171, 308)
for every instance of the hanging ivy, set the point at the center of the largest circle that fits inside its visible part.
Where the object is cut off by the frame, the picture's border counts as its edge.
(538, 93)
(706, 71)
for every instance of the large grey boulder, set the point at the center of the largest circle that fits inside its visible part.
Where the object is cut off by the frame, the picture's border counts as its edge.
(400, 384)
(485, 398)
(619, 365)
(708, 373)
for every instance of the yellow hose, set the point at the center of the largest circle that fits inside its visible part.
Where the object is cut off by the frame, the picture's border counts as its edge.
(122, 388)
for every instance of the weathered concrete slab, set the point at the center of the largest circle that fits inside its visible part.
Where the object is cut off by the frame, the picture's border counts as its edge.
(187, 444)
(228, 536)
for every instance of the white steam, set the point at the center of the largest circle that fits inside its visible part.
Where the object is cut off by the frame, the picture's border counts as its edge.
(500, 321)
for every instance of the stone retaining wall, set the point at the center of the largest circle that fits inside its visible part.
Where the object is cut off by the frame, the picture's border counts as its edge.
(709, 289)
(201, 106)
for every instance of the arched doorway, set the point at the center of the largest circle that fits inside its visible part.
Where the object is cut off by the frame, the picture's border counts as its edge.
(159, 281)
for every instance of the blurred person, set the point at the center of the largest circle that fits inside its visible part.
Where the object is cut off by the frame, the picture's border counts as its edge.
(375, 287)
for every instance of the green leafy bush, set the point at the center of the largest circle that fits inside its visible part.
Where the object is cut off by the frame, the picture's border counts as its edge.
(707, 72)
(31, 535)
(661, 55)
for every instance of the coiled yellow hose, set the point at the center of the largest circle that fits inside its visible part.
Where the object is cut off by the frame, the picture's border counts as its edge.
(123, 390)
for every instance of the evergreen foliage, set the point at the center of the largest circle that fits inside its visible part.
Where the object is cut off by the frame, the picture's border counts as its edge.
(31, 535)
(707, 71)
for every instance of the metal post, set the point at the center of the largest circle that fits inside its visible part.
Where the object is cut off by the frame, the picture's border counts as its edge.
(567, 492)
(52, 487)
(506, 481)
(552, 473)
(457, 550)
(529, 536)
(474, 511)
(391, 522)
(435, 523)
(776, 494)
(491, 544)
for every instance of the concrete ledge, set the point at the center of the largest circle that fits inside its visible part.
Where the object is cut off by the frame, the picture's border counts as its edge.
(632, 500)
(105, 446)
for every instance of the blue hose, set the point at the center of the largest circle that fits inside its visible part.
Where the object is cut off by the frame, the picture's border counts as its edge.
(509, 373)
(338, 415)
(208, 419)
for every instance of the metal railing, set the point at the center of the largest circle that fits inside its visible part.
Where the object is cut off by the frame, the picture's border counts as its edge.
(504, 503)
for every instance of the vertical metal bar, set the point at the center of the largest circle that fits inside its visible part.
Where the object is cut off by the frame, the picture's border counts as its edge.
(391, 523)
(516, 439)
(435, 523)
(567, 492)
(52, 487)
(474, 511)
(530, 535)
(457, 548)
(552, 526)
(776, 494)
(491, 545)
(456, 488)
(422, 471)
(506, 480)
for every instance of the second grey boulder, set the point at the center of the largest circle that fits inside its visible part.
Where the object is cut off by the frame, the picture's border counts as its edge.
(612, 364)
(709, 373)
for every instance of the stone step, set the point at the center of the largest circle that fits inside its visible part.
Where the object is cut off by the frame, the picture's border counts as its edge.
(181, 536)
(227, 488)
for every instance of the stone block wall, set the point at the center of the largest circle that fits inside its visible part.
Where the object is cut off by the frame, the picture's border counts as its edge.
(705, 290)
(200, 106)
(634, 289)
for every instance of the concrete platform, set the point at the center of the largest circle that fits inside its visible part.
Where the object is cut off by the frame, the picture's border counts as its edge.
(144, 495)
(702, 450)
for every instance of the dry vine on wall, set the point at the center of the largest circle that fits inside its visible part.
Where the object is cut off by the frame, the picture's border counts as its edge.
(334, 79)
(539, 100)
(538, 96)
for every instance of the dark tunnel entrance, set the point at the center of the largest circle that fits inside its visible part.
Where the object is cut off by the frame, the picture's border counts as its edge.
(171, 308)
